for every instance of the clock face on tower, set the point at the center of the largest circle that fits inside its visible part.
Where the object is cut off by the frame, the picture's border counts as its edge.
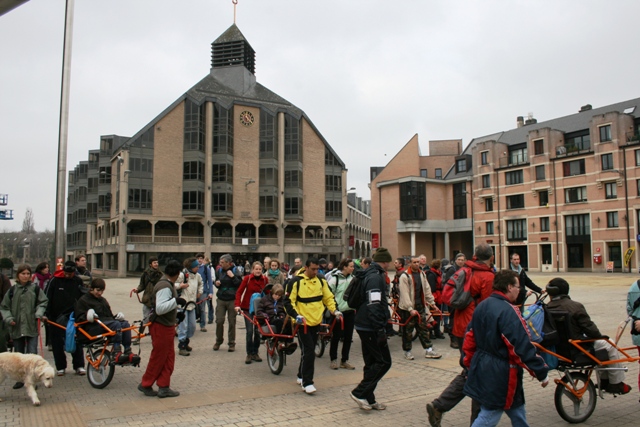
(246, 118)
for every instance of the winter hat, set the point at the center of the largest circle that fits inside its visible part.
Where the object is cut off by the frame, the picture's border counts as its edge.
(322, 261)
(444, 263)
(382, 255)
(558, 286)
(69, 267)
(195, 264)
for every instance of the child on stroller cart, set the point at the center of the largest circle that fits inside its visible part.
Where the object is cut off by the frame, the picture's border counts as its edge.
(271, 307)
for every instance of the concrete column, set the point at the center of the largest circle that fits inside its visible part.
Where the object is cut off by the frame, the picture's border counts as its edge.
(447, 250)
(413, 243)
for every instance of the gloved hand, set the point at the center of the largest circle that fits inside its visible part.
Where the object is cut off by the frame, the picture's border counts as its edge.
(180, 316)
(338, 314)
(120, 316)
(381, 337)
(91, 315)
(181, 301)
(299, 319)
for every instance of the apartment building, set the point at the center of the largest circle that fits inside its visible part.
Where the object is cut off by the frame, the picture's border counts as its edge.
(229, 167)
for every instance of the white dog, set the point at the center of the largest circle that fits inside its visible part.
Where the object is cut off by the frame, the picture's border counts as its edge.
(29, 369)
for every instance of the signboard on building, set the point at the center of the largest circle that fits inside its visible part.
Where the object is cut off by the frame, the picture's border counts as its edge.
(375, 240)
(628, 255)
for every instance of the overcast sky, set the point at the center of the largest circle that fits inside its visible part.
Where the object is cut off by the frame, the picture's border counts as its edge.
(369, 73)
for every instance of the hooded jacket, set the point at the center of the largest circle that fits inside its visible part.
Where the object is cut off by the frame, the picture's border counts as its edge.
(308, 298)
(24, 308)
(338, 284)
(147, 281)
(481, 288)
(581, 323)
(63, 294)
(373, 314)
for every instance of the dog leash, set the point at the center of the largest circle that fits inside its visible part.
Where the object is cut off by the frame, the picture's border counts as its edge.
(40, 336)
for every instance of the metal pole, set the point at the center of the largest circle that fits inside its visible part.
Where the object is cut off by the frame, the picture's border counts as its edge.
(63, 131)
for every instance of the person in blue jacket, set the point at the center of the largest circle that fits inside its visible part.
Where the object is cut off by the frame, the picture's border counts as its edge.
(497, 350)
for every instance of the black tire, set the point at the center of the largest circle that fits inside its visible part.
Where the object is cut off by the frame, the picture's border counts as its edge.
(100, 378)
(571, 409)
(320, 346)
(275, 357)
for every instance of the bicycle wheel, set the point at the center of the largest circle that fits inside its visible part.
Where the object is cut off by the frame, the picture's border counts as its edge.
(101, 377)
(570, 408)
(320, 346)
(275, 357)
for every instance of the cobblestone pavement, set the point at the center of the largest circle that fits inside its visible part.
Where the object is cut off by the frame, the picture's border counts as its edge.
(217, 388)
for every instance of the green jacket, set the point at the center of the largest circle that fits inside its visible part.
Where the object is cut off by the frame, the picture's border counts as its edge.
(338, 285)
(24, 308)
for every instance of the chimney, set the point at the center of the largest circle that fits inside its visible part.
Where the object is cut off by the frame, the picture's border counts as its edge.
(520, 121)
(585, 108)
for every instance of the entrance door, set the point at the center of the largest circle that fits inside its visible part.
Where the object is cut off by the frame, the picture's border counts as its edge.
(576, 256)
(615, 255)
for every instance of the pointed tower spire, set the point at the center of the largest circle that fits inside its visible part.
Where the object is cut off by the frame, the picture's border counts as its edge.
(230, 49)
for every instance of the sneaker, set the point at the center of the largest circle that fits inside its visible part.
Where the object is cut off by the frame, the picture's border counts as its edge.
(18, 385)
(333, 364)
(81, 371)
(188, 348)
(435, 416)
(362, 403)
(248, 359)
(619, 388)
(430, 354)
(209, 322)
(216, 347)
(148, 391)
(232, 348)
(256, 358)
(378, 406)
(408, 355)
(60, 373)
(167, 392)
(184, 352)
(310, 389)
(299, 381)
(347, 365)
(203, 329)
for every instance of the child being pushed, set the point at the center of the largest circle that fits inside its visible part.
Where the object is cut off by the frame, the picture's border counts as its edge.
(93, 306)
(271, 306)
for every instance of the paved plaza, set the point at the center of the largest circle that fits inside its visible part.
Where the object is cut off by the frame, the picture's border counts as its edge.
(217, 388)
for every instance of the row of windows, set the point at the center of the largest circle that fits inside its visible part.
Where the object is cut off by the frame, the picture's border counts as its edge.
(576, 225)
(139, 198)
(438, 173)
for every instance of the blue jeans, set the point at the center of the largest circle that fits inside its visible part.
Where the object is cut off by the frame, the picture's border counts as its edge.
(187, 327)
(253, 336)
(209, 305)
(491, 417)
(26, 345)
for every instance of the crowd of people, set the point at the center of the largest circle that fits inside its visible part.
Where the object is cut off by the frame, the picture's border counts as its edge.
(489, 331)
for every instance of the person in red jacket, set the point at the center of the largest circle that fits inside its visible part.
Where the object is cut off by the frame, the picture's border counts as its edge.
(434, 277)
(481, 288)
(251, 284)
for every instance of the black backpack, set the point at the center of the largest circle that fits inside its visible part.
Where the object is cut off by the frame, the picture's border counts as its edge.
(354, 294)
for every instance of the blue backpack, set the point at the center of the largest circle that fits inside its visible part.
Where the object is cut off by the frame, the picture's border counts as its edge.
(254, 297)
(70, 335)
(542, 328)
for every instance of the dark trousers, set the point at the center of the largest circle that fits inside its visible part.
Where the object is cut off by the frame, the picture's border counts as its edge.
(163, 356)
(377, 361)
(307, 343)
(346, 333)
(253, 336)
(453, 394)
(57, 342)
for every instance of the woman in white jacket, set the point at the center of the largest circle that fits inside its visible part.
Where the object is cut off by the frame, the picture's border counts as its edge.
(189, 286)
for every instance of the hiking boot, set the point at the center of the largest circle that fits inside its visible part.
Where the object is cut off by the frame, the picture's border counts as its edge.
(362, 403)
(188, 348)
(216, 347)
(347, 365)
(167, 392)
(203, 329)
(209, 322)
(435, 416)
(148, 391)
(408, 355)
(378, 406)
(454, 343)
(333, 364)
(619, 388)
(256, 358)
(431, 354)
(232, 348)
(184, 352)
(248, 359)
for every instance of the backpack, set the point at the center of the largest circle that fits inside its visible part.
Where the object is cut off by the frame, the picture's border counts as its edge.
(541, 326)
(13, 288)
(456, 293)
(354, 294)
(252, 301)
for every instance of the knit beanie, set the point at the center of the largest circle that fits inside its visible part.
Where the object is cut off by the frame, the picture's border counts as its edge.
(382, 255)
(195, 264)
(444, 263)
(557, 286)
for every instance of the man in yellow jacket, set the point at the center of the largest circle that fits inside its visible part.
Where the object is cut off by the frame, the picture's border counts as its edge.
(308, 297)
